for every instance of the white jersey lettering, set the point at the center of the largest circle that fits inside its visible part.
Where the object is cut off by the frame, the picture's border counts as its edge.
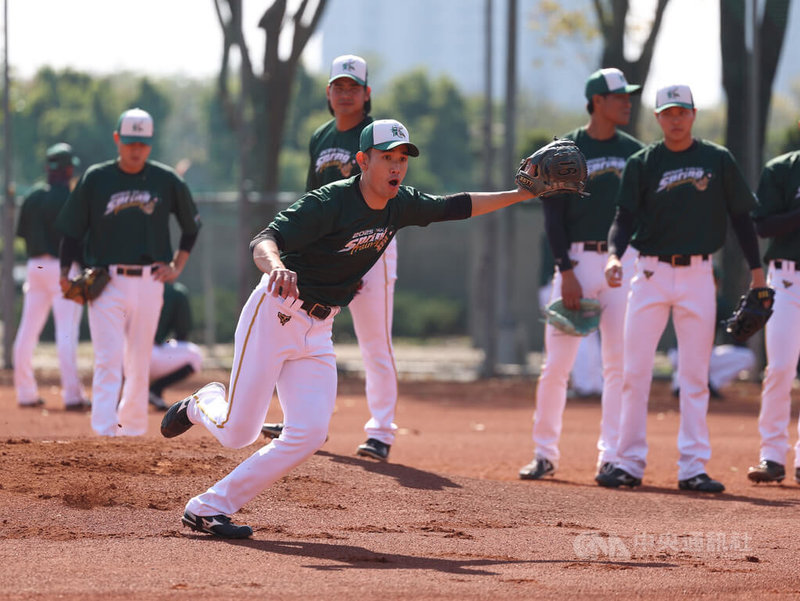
(602, 165)
(375, 238)
(696, 176)
(131, 198)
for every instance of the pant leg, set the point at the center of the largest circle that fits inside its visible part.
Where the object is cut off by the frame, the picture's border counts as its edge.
(144, 301)
(306, 383)
(67, 318)
(587, 370)
(35, 307)
(694, 313)
(172, 355)
(782, 338)
(727, 362)
(645, 319)
(107, 327)
(372, 310)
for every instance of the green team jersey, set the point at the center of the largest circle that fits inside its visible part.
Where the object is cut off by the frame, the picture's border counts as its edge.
(37, 218)
(124, 218)
(175, 320)
(331, 237)
(333, 153)
(681, 200)
(588, 218)
(779, 192)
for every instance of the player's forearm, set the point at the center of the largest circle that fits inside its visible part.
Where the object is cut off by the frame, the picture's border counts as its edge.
(486, 202)
(267, 256)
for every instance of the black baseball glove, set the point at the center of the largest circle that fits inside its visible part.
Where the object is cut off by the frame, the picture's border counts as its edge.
(555, 168)
(752, 314)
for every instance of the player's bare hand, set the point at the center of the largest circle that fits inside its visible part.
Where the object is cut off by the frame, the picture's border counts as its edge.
(571, 290)
(757, 279)
(613, 271)
(165, 272)
(283, 283)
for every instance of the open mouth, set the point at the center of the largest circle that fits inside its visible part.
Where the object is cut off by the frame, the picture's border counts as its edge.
(394, 182)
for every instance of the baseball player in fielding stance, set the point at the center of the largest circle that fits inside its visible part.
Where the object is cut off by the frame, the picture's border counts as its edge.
(120, 210)
(777, 217)
(42, 291)
(313, 255)
(674, 202)
(174, 358)
(333, 150)
(577, 228)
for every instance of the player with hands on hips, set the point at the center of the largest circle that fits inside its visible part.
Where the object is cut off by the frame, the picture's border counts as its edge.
(117, 218)
(332, 150)
(174, 358)
(777, 217)
(577, 228)
(674, 203)
(42, 291)
(313, 256)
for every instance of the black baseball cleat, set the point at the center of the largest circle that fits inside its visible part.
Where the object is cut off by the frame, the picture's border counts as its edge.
(156, 401)
(536, 469)
(374, 448)
(272, 430)
(605, 468)
(176, 421)
(34, 405)
(218, 525)
(617, 477)
(81, 406)
(767, 471)
(701, 483)
(797, 475)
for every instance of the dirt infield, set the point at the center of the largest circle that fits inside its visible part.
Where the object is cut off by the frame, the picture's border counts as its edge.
(90, 518)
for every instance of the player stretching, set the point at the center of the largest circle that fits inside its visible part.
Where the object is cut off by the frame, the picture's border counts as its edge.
(777, 217)
(313, 256)
(333, 149)
(577, 228)
(673, 206)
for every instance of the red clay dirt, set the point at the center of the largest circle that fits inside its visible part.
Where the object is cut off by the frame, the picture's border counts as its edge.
(88, 518)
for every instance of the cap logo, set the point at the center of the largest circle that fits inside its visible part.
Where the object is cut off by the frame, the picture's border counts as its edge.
(673, 93)
(348, 66)
(398, 132)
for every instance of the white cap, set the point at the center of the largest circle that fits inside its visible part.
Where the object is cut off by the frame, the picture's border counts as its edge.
(349, 65)
(135, 125)
(674, 96)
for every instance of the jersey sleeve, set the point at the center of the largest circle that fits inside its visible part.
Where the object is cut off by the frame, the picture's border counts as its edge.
(184, 208)
(304, 222)
(73, 219)
(23, 224)
(417, 208)
(631, 186)
(738, 195)
(770, 198)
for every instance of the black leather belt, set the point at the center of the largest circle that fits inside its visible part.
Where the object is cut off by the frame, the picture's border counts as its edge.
(680, 260)
(316, 310)
(779, 265)
(598, 246)
(134, 272)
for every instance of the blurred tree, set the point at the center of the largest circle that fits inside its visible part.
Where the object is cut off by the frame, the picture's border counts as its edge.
(613, 25)
(770, 32)
(256, 105)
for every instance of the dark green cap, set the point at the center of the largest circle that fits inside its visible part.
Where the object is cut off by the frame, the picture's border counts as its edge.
(61, 155)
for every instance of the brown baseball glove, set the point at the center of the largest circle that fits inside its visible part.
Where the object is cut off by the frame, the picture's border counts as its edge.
(87, 285)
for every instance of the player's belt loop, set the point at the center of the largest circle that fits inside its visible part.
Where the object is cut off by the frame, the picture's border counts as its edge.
(135, 272)
(788, 265)
(680, 260)
(316, 310)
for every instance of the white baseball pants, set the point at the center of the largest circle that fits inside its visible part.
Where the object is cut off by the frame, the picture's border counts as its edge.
(123, 322)
(726, 363)
(277, 344)
(372, 309)
(172, 355)
(561, 350)
(656, 289)
(43, 292)
(782, 335)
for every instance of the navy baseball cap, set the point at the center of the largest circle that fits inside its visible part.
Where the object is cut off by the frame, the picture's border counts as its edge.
(609, 81)
(60, 155)
(670, 96)
(386, 134)
(135, 125)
